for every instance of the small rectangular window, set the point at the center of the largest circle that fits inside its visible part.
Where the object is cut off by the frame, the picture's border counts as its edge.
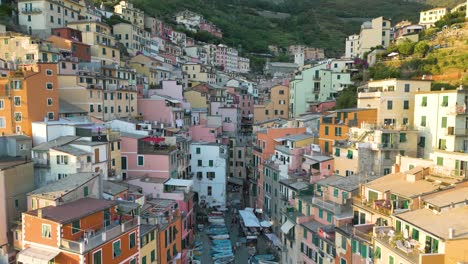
(140, 161)
(116, 249)
(46, 231)
(76, 226)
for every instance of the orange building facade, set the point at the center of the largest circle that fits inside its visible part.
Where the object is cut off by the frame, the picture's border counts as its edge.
(263, 149)
(170, 240)
(84, 231)
(335, 126)
(28, 95)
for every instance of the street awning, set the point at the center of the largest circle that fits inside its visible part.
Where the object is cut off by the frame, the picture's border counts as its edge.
(179, 182)
(249, 218)
(274, 239)
(36, 256)
(265, 224)
(235, 180)
(287, 226)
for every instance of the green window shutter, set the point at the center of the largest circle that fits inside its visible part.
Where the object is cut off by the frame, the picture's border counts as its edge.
(337, 152)
(457, 168)
(415, 234)
(305, 233)
(308, 209)
(350, 154)
(343, 242)
(444, 122)
(398, 225)
(423, 121)
(97, 258)
(435, 246)
(211, 163)
(315, 239)
(326, 131)
(363, 250)
(372, 196)
(424, 101)
(153, 255)
(76, 226)
(335, 192)
(143, 260)
(117, 249)
(378, 253)
(326, 146)
(391, 260)
(329, 217)
(445, 101)
(85, 191)
(402, 137)
(320, 213)
(132, 240)
(440, 161)
(354, 245)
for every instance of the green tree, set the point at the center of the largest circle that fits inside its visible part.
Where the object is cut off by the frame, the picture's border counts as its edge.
(421, 48)
(406, 47)
(347, 98)
(381, 71)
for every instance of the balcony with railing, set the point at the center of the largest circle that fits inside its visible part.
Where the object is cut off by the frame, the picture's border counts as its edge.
(257, 148)
(385, 236)
(378, 206)
(31, 10)
(93, 239)
(452, 131)
(155, 148)
(327, 205)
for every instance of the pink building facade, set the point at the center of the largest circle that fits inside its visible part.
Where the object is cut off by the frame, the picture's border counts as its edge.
(221, 56)
(140, 159)
(205, 133)
(164, 111)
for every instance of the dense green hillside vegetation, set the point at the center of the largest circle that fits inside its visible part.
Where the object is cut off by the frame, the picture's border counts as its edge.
(319, 23)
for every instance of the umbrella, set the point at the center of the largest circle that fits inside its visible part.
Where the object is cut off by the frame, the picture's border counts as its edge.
(265, 224)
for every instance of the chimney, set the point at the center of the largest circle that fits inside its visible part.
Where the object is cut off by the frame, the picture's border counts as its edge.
(451, 233)
(39, 212)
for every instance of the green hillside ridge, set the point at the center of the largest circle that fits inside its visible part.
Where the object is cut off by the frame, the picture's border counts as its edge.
(440, 55)
(318, 23)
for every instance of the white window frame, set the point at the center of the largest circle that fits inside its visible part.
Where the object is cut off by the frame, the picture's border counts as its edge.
(61, 159)
(100, 250)
(47, 86)
(118, 240)
(14, 101)
(50, 231)
(49, 72)
(51, 101)
(48, 115)
(2, 122)
(2, 104)
(20, 115)
(143, 164)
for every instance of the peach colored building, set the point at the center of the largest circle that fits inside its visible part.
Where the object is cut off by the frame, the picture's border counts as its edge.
(263, 149)
(336, 126)
(275, 104)
(31, 95)
(87, 230)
